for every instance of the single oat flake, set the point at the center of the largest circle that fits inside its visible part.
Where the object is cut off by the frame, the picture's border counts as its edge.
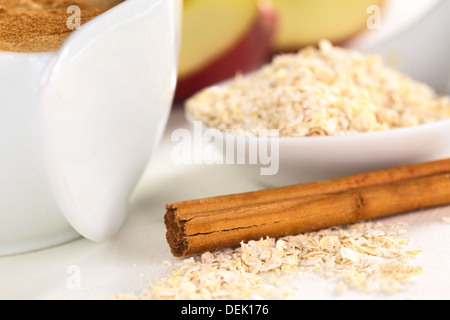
(325, 91)
(369, 257)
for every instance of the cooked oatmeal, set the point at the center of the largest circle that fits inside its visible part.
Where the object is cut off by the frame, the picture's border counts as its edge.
(324, 91)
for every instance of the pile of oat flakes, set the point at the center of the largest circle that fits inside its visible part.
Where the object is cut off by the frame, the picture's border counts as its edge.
(323, 91)
(369, 257)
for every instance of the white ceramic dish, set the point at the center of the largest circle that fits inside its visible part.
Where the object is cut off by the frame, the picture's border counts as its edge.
(78, 126)
(306, 159)
(425, 58)
(319, 158)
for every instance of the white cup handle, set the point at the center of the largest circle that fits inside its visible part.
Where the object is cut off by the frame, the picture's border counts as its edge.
(105, 102)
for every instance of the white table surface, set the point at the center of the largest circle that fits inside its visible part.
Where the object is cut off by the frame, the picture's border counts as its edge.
(137, 255)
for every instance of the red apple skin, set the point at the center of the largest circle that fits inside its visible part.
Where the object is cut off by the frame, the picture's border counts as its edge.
(248, 54)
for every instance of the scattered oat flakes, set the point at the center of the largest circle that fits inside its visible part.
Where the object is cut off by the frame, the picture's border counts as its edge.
(319, 92)
(446, 219)
(364, 256)
(167, 263)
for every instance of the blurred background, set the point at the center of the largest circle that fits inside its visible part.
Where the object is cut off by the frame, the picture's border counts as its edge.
(223, 37)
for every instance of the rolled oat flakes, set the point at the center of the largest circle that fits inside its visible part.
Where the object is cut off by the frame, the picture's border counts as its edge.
(324, 91)
(367, 257)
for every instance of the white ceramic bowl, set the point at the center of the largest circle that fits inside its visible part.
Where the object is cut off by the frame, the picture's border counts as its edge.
(424, 58)
(78, 126)
(306, 159)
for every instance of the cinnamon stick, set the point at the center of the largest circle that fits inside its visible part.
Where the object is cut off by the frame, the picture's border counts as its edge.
(217, 222)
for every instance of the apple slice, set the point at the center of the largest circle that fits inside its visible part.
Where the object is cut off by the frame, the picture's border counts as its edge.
(221, 38)
(305, 22)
